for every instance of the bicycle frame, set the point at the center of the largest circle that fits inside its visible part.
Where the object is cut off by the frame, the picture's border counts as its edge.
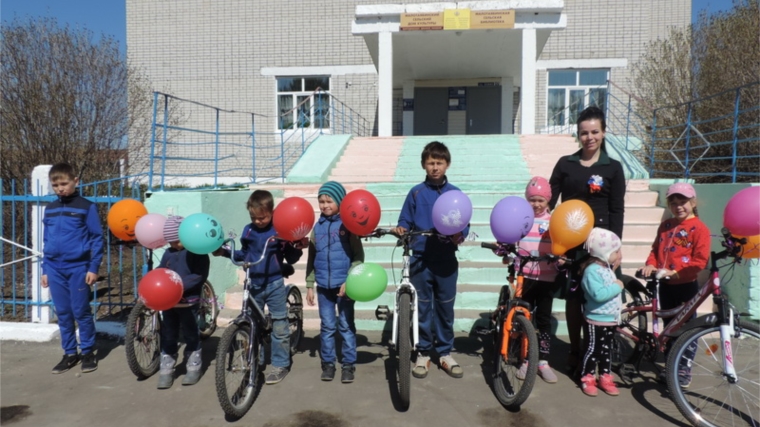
(406, 286)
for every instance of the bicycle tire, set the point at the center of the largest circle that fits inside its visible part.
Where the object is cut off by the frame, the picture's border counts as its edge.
(207, 311)
(295, 317)
(237, 377)
(710, 399)
(509, 390)
(142, 341)
(404, 348)
(624, 349)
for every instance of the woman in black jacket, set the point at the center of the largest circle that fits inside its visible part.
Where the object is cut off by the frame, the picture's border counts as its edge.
(591, 176)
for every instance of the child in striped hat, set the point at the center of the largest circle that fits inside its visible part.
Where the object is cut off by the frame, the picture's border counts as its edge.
(333, 250)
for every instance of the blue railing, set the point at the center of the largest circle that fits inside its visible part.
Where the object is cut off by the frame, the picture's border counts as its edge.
(202, 146)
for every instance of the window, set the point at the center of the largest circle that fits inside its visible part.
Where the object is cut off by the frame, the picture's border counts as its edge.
(299, 106)
(571, 91)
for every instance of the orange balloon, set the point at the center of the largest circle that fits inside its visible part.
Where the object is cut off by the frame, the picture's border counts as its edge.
(123, 216)
(752, 247)
(570, 225)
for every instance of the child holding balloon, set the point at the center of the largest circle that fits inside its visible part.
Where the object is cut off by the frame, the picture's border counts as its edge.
(601, 309)
(267, 286)
(193, 269)
(434, 267)
(73, 250)
(680, 251)
(333, 250)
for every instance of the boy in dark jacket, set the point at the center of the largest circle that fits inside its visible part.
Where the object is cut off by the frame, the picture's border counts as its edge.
(73, 250)
(193, 269)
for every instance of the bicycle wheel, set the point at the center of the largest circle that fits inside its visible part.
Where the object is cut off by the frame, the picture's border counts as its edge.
(207, 311)
(238, 381)
(142, 341)
(404, 347)
(710, 400)
(511, 391)
(630, 335)
(295, 317)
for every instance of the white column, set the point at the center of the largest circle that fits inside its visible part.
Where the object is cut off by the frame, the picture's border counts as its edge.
(385, 84)
(528, 86)
(408, 124)
(40, 187)
(507, 101)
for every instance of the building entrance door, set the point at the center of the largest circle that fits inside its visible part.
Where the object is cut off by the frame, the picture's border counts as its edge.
(483, 110)
(431, 111)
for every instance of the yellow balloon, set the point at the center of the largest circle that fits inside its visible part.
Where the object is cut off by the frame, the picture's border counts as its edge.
(570, 225)
(752, 247)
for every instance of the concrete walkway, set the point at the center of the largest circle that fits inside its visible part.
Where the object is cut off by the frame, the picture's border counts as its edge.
(32, 396)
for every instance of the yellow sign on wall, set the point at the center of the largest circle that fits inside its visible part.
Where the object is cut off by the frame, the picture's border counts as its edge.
(492, 19)
(456, 19)
(421, 21)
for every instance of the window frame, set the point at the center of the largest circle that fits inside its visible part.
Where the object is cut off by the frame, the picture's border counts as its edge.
(569, 91)
(297, 96)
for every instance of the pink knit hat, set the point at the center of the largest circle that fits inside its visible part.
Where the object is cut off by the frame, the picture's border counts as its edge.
(538, 186)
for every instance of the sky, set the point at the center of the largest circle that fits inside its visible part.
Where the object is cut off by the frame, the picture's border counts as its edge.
(109, 16)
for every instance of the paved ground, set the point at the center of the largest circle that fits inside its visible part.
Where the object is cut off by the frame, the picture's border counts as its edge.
(31, 396)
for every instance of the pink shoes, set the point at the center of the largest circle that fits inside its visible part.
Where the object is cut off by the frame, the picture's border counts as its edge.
(608, 385)
(588, 385)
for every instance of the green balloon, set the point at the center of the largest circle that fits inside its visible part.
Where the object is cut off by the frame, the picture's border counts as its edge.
(366, 282)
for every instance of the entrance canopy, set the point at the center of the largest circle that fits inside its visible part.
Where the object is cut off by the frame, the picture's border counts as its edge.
(412, 43)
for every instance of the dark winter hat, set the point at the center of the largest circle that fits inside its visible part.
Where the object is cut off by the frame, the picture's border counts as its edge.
(171, 228)
(334, 190)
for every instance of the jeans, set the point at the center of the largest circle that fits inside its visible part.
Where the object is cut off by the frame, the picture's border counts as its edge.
(71, 297)
(328, 299)
(176, 320)
(436, 285)
(275, 296)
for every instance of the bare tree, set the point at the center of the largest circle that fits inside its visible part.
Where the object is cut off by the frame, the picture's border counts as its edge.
(64, 98)
(694, 79)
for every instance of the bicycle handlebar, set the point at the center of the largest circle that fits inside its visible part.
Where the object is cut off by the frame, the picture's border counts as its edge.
(247, 265)
(510, 249)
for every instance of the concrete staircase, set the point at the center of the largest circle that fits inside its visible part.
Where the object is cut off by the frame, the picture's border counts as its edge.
(487, 168)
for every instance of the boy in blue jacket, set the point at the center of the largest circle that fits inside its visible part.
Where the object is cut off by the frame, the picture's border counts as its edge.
(333, 250)
(267, 285)
(434, 267)
(73, 249)
(193, 269)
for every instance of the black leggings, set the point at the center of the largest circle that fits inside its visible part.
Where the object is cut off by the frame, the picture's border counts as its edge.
(599, 340)
(540, 295)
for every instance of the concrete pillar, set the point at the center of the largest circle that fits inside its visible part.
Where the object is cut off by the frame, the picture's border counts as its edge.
(507, 101)
(408, 116)
(385, 84)
(40, 187)
(528, 86)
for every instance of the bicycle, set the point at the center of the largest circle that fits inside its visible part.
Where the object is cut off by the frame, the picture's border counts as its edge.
(514, 336)
(142, 339)
(405, 330)
(239, 358)
(705, 349)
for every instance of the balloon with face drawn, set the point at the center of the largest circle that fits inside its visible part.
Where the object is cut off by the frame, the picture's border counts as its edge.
(360, 212)
(201, 233)
(511, 219)
(123, 216)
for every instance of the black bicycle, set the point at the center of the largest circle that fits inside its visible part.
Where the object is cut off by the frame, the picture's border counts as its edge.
(239, 358)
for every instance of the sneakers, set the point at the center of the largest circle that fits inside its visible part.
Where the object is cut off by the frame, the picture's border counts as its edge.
(276, 375)
(588, 385)
(193, 364)
(422, 366)
(451, 366)
(328, 371)
(522, 372)
(607, 384)
(89, 362)
(684, 378)
(347, 374)
(166, 371)
(68, 362)
(546, 373)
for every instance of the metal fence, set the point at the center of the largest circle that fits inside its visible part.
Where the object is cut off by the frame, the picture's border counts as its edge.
(23, 299)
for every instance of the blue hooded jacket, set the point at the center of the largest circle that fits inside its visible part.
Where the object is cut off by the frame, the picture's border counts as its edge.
(72, 234)
(252, 243)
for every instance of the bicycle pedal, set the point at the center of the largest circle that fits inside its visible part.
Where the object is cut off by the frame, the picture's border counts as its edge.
(382, 312)
(479, 330)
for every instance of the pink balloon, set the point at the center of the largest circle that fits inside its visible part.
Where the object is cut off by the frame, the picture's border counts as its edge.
(149, 230)
(742, 213)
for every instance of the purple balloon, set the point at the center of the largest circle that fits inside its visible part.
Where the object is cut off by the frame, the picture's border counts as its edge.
(511, 219)
(452, 212)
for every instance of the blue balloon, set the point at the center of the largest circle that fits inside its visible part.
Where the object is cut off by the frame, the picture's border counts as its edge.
(201, 233)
